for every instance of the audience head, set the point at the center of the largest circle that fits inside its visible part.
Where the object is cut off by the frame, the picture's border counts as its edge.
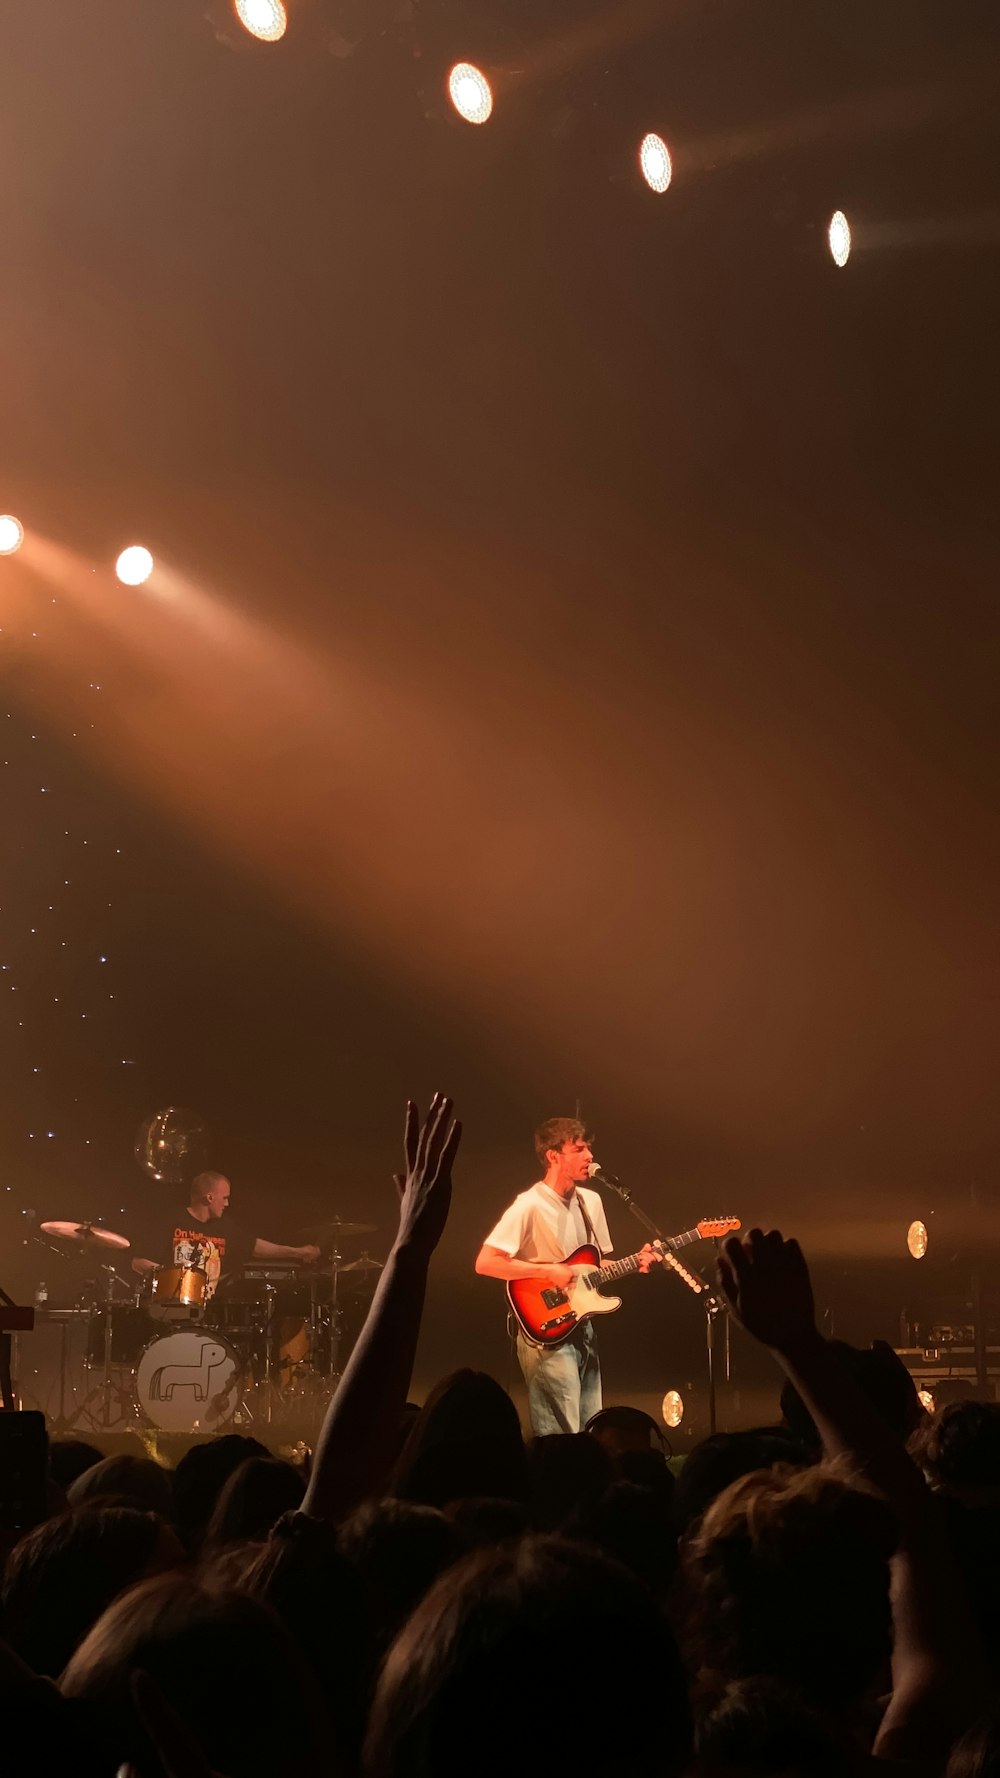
(493, 1629)
(977, 1753)
(320, 1598)
(720, 1460)
(222, 1662)
(761, 1729)
(70, 1458)
(634, 1525)
(883, 1376)
(398, 1549)
(485, 1522)
(252, 1500)
(788, 1577)
(66, 1572)
(465, 1442)
(200, 1477)
(621, 1429)
(127, 1480)
(568, 1472)
(959, 1446)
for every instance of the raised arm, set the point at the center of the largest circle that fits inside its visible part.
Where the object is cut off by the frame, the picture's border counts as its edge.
(936, 1679)
(357, 1444)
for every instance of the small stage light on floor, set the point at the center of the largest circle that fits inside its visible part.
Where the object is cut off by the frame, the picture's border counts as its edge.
(655, 163)
(134, 565)
(266, 19)
(11, 534)
(839, 237)
(672, 1408)
(470, 93)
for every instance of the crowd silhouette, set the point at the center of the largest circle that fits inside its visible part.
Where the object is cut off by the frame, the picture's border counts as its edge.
(438, 1599)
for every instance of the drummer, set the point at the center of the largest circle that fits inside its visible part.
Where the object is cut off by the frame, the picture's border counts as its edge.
(210, 1240)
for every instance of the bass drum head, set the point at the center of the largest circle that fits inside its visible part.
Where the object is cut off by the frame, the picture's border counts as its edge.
(189, 1381)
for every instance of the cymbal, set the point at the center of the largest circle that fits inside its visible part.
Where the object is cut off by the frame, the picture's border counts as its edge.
(86, 1234)
(362, 1265)
(322, 1231)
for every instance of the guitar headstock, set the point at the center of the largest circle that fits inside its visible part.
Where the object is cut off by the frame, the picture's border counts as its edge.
(713, 1230)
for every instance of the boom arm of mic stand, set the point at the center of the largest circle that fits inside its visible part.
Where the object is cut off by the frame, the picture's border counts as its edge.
(698, 1285)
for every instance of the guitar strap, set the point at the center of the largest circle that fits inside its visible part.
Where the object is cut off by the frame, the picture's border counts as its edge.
(588, 1225)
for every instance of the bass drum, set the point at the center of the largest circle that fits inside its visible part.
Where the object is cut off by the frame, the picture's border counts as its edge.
(189, 1381)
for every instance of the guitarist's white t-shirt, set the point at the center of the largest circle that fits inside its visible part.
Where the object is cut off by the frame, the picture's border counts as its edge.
(540, 1225)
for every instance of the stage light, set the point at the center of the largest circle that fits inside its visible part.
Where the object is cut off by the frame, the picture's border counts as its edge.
(672, 1408)
(655, 163)
(11, 534)
(917, 1240)
(470, 93)
(134, 565)
(839, 237)
(266, 19)
(926, 1399)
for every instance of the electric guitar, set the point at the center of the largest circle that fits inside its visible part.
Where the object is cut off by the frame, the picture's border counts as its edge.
(547, 1313)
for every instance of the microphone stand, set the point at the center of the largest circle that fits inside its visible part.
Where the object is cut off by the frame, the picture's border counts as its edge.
(713, 1305)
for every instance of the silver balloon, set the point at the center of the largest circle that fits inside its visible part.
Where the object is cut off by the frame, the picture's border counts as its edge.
(171, 1145)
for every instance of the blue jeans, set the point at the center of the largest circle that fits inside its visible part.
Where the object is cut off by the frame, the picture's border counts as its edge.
(564, 1382)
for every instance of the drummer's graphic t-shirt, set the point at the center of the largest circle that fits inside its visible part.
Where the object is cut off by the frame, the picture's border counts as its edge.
(214, 1247)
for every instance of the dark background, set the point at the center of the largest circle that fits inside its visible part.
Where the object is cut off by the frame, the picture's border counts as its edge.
(571, 670)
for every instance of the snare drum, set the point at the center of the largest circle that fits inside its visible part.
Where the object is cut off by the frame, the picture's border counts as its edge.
(179, 1285)
(189, 1380)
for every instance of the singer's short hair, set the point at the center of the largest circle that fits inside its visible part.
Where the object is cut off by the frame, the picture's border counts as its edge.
(555, 1132)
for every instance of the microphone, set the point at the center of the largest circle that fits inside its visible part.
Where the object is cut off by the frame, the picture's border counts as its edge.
(596, 1171)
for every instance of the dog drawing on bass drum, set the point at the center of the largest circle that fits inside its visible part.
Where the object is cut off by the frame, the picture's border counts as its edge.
(169, 1377)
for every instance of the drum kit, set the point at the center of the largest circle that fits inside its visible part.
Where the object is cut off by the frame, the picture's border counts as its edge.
(265, 1349)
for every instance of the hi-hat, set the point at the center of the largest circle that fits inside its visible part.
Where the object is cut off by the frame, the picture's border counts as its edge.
(85, 1234)
(324, 1230)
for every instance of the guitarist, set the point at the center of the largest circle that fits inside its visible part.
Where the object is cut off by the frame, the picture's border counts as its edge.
(531, 1240)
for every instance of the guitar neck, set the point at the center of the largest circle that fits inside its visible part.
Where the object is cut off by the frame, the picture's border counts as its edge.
(621, 1268)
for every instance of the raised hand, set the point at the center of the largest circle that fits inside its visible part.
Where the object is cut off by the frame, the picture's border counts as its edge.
(765, 1281)
(425, 1188)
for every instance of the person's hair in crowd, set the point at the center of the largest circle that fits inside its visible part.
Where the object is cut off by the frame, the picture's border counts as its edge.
(761, 1729)
(466, 1441)
(494, 1628)
(398, 1549)
(62, 1575)
(722, 1459)
(126, 1480)
(251, 1501)
(959, 1446)
(200, 1477)
(222, 1661)
(321, 1599)
(568, 1472)
(787, 1576)
(70, 1458)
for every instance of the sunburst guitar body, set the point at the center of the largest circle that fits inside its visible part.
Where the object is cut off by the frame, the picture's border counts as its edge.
(549, 1313)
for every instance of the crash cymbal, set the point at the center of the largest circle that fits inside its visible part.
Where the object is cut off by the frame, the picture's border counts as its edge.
(364, 1264)
(337, 1230)
(86, 1234)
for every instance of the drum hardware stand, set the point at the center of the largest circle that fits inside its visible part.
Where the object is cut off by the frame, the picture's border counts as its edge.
(336, 1319)
(104, 1392)
(713, 1305)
